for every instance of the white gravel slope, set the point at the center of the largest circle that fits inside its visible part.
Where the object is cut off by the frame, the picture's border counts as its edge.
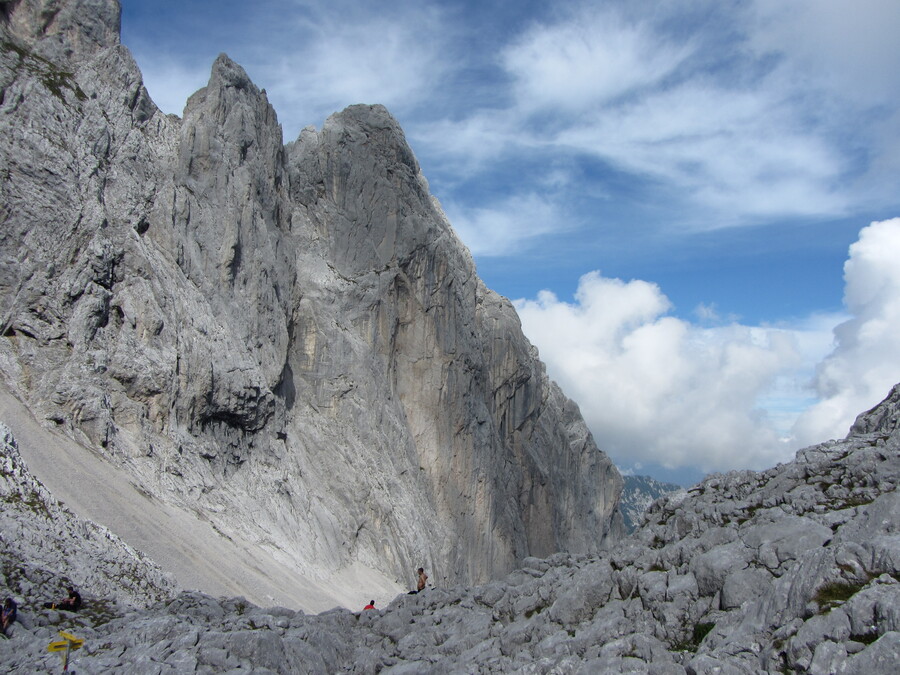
(182, 543)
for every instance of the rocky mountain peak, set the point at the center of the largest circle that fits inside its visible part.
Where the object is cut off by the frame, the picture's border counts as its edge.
(63, 30)
(883, 418)
(287, 342)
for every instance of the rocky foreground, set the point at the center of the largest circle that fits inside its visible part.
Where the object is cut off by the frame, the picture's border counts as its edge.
(794, 569)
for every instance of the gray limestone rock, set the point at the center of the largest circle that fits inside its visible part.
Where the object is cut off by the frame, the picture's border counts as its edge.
(291, 342)
(287, 340)
(690, 592)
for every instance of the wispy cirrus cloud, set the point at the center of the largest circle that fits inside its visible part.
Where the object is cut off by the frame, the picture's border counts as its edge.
(589, 59)
(737, 116)
(504, 227)
(739, 155)
(831, 45)
(392, 54)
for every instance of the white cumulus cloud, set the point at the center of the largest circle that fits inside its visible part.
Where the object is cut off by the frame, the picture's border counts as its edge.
(657, 389)
(865, 362)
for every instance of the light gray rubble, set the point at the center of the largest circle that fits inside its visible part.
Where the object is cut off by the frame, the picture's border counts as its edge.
(288, 341)
(795, 569)
(44, 547)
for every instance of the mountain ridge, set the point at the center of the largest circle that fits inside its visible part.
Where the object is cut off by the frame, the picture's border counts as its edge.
(638, 493)
(288, 341)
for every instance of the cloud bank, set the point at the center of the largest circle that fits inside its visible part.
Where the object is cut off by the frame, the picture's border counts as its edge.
(865, 362)
(658, 389)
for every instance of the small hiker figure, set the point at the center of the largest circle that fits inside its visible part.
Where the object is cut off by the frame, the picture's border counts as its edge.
(72, 603)
(422, 579)
(371, 605)
(9, 613)
(420, 586)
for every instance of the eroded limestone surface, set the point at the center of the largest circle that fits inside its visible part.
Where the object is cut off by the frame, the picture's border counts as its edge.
(288, 340)
(795, 569)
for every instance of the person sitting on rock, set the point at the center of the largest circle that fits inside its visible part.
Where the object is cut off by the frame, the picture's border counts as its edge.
(8, 614)
(72, 603)
(371, 605)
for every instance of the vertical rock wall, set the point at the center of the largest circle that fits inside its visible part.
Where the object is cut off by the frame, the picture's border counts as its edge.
(288, 339)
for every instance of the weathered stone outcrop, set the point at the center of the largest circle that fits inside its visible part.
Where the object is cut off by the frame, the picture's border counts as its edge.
(795, 569)
(289, 340)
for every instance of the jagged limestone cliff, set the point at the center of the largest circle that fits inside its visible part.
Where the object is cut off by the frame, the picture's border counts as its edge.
(289, 340)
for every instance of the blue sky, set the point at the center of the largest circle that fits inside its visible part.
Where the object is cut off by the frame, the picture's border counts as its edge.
(681, 191)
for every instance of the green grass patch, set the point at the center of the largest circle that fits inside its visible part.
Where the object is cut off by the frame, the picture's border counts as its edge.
(852, 502)
(698, 633)
(50, 75)
(32, 502)
(835, 593)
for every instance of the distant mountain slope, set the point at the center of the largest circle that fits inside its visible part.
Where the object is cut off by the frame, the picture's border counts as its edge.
(638, 493)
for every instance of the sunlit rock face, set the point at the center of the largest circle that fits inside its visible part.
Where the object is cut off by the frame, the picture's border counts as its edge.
(288, 339)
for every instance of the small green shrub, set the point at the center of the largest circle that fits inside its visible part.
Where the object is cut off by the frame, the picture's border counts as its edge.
(852, 502)
(701, 630)
(698, 633)
(535, 610)
(835, 593)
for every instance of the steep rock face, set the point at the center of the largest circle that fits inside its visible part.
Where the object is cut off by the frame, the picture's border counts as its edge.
(289, 339)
